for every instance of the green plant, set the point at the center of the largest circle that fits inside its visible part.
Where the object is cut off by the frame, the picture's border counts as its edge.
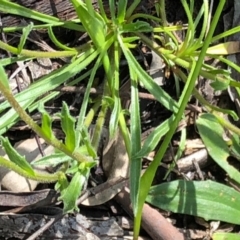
(113, 35)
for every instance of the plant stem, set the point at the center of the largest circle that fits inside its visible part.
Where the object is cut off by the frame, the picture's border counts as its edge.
(40, 177)
(37, 54)
(162, 11)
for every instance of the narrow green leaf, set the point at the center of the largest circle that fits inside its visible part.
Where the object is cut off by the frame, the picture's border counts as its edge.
(189, 38)
(112, 9)
(113, 123)
(122, 5)
(15, 157)
(51, 160)
(235, 147)
(24, 36)
(92, 22)
(68, 126)
(11, 60)
(56, 41)
(225, 236)
(102, 10)
(46, 122)
(16, 9)
(154, 137)
(71, 194)
(54, 79)
(161, 96)
(148, 175)
(87, 143)
(135, 127)
(207, 199)
(130, 39)
(3, 77)
(132, 8)
(82, 114)
(212, 133)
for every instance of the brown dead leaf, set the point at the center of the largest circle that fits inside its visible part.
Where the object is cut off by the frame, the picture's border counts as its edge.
(105, 191)
(116, 166)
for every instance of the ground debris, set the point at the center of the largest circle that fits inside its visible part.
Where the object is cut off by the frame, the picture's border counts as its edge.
(69, 227)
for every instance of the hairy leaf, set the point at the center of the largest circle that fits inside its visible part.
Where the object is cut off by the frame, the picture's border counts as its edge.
(15, 157)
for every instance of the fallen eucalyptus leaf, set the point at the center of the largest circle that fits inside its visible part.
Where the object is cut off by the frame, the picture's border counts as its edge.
(22, 199)
(116, 166)
(105, 191)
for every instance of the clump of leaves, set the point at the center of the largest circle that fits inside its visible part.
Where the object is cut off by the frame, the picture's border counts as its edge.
(74, 160)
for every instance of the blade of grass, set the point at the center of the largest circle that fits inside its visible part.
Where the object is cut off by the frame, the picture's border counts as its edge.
(82, 113)
(16, 9)
(113, 123)
(147, 81)
(135, 163)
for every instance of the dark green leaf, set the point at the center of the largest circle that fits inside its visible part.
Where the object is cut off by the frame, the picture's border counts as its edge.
(206, 199)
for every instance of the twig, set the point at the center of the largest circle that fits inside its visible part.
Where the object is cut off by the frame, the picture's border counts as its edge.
(45, 227)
